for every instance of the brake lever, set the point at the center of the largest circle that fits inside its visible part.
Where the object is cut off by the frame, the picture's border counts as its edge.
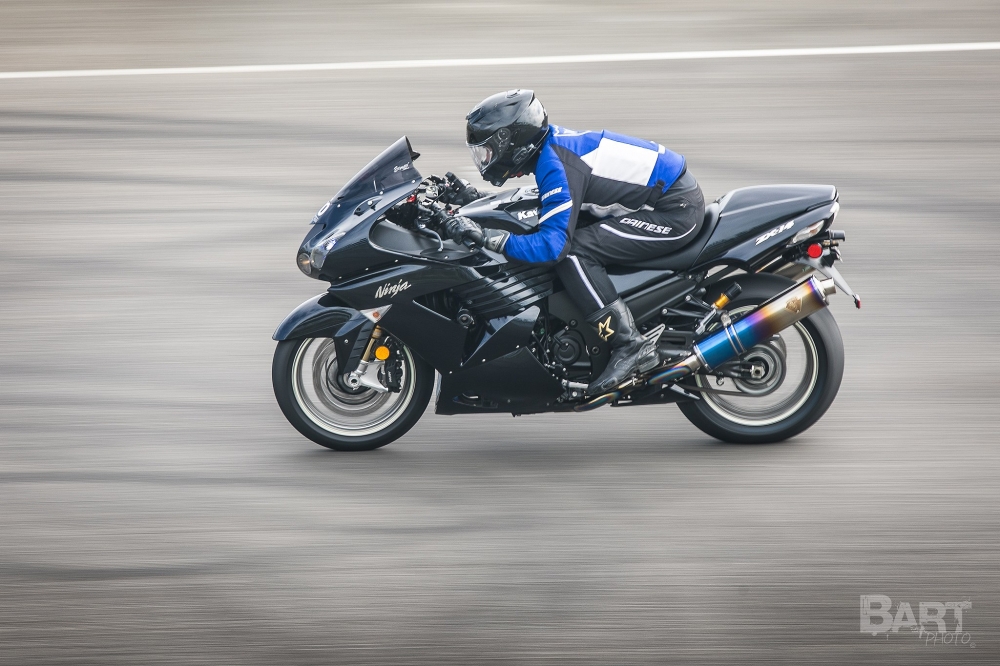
(430, 233)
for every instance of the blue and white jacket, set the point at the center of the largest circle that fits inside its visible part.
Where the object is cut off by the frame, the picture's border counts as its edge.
(601, 172)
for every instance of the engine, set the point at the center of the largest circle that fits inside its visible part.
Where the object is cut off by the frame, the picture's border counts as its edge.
(568, 347)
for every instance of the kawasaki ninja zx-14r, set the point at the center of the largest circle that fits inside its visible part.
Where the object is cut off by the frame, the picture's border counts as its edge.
(749, 351)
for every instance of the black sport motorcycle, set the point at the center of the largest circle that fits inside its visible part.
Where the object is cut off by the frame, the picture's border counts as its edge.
(749, 352)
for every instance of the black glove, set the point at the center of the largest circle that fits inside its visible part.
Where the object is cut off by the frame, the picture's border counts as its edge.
(464, 231)
(458, 192)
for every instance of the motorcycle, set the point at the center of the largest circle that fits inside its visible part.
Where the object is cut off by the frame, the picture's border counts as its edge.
(749, 351)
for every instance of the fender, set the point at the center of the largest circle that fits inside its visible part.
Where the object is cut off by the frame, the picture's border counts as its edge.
(323, 317)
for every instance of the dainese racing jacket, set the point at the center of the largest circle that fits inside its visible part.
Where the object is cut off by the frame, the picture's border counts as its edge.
(604, 173)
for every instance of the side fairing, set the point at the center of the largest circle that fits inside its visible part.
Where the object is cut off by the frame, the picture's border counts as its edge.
(400, 283)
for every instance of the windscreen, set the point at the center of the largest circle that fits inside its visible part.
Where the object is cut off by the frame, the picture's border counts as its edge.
(390, 169)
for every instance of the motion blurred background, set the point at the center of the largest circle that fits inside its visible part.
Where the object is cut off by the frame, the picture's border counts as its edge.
(155, 507)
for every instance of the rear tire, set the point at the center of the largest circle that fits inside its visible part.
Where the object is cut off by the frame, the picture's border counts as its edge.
(304, 377)
(825, 351)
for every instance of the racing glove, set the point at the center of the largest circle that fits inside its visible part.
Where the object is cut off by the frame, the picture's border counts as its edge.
(459, 192)
(464, 231)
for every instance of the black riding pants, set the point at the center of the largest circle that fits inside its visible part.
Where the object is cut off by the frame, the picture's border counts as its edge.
(652, 232)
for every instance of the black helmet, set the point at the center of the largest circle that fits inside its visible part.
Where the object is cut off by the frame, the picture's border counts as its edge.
(504, 132)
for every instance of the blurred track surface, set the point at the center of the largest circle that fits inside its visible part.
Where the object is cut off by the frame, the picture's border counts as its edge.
(156, 508)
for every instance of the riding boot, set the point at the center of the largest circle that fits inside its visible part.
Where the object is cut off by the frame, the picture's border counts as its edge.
(630, 352)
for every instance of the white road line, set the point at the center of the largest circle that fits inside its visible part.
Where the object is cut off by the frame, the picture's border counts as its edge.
(529, 60)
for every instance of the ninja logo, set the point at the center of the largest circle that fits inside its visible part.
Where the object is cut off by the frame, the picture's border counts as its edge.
(389, 289)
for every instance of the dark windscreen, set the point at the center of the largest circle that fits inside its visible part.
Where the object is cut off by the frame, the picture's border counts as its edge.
(393, 167)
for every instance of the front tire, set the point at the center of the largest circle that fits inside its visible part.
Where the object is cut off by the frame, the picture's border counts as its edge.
(321, 407)
(822, 359)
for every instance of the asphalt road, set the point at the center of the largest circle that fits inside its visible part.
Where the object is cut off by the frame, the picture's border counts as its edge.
(155, 507)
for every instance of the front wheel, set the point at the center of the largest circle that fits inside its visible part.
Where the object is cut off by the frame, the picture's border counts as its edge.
(318, 403)
(801, 369)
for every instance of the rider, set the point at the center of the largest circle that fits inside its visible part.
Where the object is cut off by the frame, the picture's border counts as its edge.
(645, 202)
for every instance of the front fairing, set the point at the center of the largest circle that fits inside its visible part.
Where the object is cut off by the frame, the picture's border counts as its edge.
(391, 169)
(347, 240)
(341, 226)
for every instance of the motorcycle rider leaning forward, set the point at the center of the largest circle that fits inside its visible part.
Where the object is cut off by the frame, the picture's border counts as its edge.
(645, 202)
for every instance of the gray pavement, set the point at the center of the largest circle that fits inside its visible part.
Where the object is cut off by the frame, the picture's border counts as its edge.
(155, 507)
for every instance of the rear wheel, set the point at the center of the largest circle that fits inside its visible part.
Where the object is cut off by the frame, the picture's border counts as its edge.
(799, 369)
(316, 400)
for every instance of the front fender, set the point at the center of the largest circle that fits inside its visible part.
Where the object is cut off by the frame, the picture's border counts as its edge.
(319, 317)
(324, 317)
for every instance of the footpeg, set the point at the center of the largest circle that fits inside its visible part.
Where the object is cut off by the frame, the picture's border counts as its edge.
(654, 334)
(608, 398)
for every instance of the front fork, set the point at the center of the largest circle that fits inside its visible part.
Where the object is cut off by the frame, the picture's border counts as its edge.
(366, 375)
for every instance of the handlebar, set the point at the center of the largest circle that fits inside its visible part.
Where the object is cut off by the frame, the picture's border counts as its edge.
(430, 213)
(430, 216)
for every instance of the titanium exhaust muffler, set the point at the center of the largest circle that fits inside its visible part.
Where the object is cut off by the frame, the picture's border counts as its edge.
(736, 338)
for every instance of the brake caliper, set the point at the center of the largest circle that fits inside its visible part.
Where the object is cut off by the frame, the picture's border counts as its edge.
(392, 368)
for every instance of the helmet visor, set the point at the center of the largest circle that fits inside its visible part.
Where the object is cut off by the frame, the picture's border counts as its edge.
(482, 155)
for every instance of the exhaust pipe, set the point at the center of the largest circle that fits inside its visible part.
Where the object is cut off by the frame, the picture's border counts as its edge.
(773, 316)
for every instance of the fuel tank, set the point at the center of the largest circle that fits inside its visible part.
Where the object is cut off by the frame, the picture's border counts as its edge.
(515, 211)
